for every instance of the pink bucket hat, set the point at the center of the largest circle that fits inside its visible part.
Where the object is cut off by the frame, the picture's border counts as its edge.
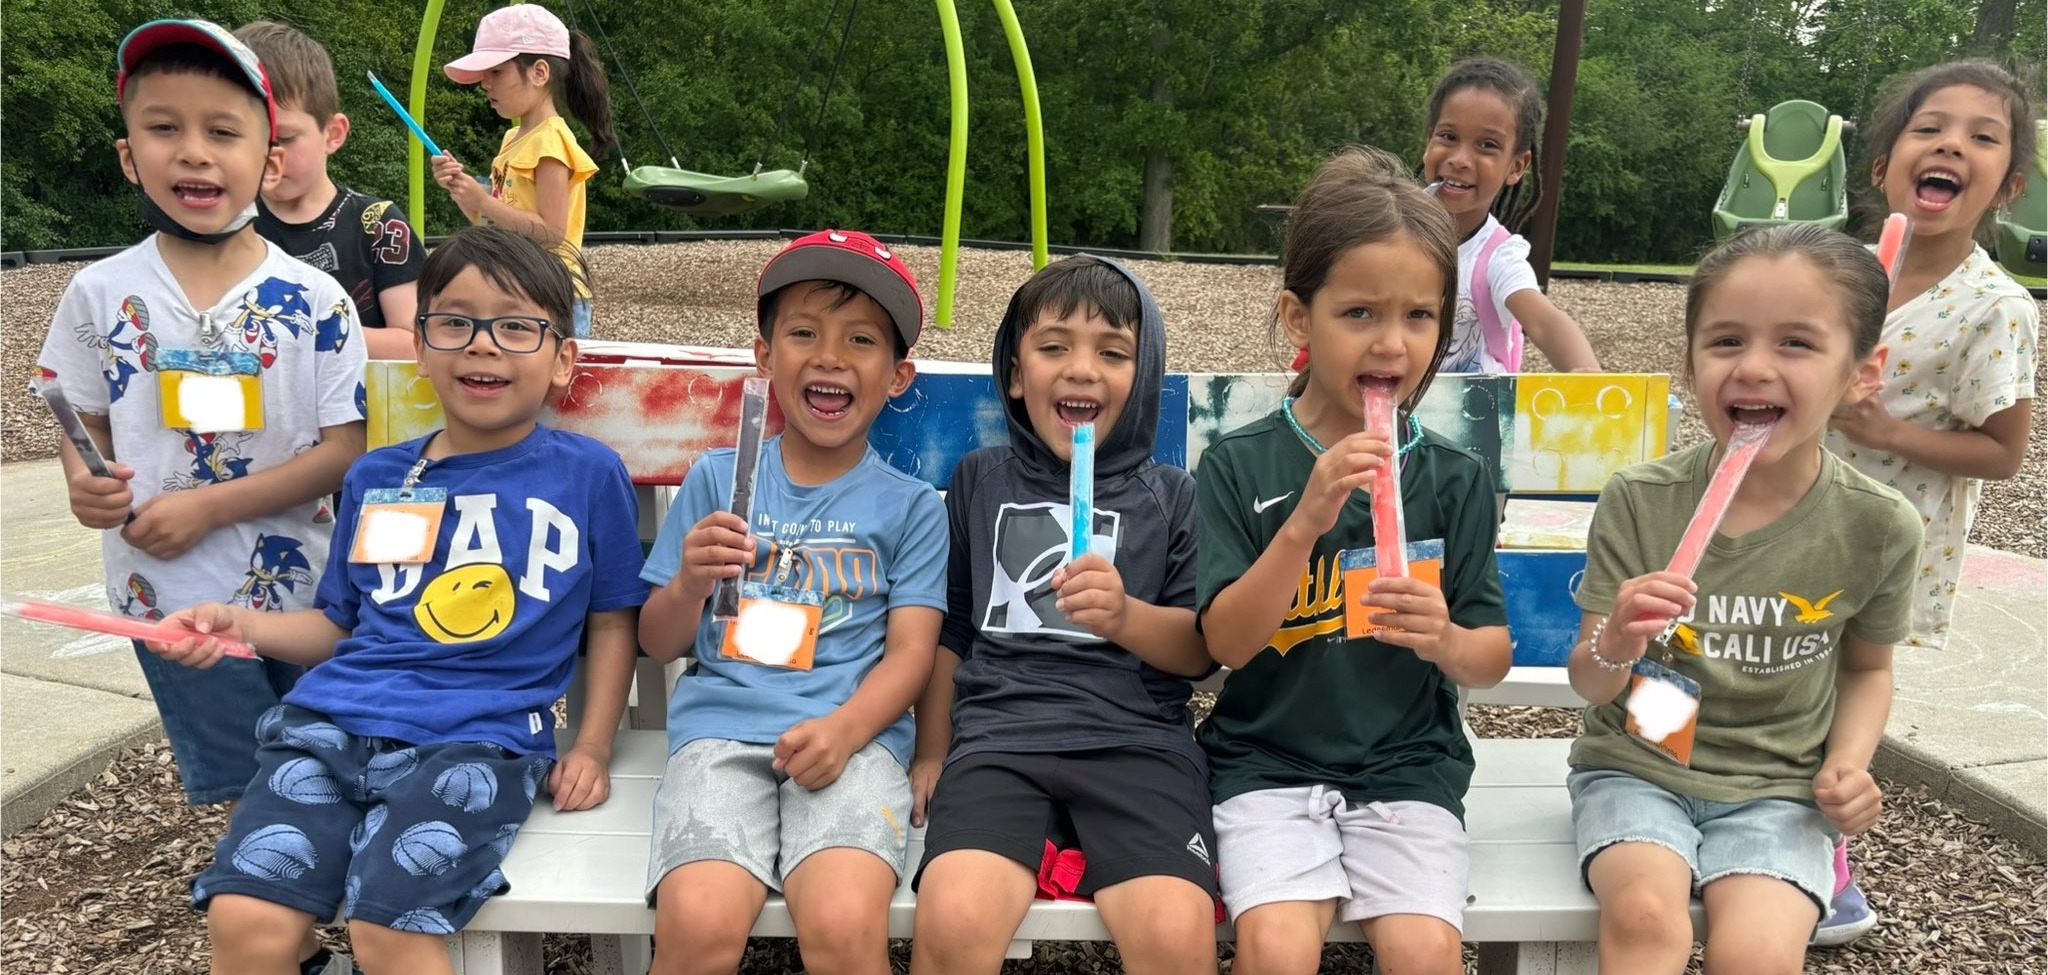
(506, 33)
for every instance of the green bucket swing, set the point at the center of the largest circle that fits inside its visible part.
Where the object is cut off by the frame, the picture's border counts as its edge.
(2020, 232)
(1790, 168)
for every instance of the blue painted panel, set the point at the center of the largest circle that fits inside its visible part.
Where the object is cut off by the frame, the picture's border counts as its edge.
(1542, 618)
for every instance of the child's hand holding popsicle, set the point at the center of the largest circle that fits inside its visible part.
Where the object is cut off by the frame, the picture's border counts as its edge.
(1092, 595)
(1346, 467)
(202, 621)
(1643, 608)
(1417, 616)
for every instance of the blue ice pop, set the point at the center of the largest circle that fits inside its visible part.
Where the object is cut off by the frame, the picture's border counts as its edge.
(1081, 494)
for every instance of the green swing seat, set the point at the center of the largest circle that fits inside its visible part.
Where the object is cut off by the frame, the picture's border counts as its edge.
(1789, 169)
(714, 196)
(2020, 234)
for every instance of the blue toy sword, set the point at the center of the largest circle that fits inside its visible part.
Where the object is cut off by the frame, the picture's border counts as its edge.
(403, 115)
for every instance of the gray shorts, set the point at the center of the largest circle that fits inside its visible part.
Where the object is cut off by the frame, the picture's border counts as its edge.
(723, 800)
(1373, 858)
(1779, 838)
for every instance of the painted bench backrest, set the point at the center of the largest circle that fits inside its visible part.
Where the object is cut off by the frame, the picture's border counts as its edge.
(661, 406)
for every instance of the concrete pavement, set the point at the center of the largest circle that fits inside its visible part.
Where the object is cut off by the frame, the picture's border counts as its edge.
(1970, 723)
(69, 702)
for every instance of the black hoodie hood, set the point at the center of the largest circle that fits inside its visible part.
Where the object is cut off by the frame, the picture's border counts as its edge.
(1129, 445)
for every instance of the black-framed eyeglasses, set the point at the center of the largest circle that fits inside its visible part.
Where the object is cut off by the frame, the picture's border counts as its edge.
(518, 334)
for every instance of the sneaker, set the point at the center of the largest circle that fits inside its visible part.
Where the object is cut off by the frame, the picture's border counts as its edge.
(326, 962)
(1850, 916)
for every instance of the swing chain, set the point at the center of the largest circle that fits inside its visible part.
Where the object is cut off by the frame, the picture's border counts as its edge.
(1748, 61)
(626, 76)
(1867, 45)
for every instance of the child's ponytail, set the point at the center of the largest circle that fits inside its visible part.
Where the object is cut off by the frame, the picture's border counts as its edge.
(588, 95)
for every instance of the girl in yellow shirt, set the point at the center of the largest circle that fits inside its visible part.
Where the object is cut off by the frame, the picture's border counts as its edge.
(526, 60)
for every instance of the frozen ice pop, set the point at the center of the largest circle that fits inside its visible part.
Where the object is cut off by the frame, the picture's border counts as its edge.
(1743, 446)
(1389, 526)
(1081, 491)
(112, 624)
(1891, 244)
(725, 600)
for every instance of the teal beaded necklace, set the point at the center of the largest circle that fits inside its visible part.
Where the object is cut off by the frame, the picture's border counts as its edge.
(1287, 408)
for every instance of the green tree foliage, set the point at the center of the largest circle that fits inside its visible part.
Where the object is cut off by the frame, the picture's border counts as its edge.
(1241, 98)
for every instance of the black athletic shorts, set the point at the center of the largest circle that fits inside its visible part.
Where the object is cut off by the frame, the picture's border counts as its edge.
(1133, 812)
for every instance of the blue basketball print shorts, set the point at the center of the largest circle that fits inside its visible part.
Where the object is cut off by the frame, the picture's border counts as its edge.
(403, 836)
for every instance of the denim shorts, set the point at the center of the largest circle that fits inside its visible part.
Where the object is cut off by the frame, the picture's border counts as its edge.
(409, 837)
(724, 800)
(210, 716)
(579, 316)
(1779, 838)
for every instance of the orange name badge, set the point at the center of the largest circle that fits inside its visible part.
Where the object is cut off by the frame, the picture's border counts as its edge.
(1663, 710)
(399, 527)
(210, 392)
(1425, 562)
(776, 627)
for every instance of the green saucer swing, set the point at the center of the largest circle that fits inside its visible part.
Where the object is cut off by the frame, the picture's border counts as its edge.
(714, 196)
(709, 195)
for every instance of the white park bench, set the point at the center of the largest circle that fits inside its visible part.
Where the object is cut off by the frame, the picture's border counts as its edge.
(660, 406)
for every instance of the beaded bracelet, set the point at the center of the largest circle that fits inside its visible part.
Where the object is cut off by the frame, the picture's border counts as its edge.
(1593, 650)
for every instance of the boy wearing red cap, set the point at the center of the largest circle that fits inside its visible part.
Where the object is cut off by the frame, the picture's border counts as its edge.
(221, 378)
(790, 736)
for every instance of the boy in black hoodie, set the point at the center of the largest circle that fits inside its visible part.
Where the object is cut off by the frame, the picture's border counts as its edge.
(1067, 682)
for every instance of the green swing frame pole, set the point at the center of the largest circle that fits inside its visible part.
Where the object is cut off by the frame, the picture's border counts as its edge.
(415, 155)
(1034, 130)
(956, 162)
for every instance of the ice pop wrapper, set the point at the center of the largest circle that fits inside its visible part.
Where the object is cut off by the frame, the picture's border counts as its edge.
(1891, 244)
(1389, 525)
(1081, 492)
(1743, 446)
(112, 624)
(725, 600)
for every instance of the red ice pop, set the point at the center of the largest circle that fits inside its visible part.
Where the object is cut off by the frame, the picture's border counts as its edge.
(1389, 526)
(1743, 446)
(1891, 244)
(77, 618)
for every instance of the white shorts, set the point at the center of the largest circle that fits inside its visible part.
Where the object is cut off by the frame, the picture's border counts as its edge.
(1373, 858)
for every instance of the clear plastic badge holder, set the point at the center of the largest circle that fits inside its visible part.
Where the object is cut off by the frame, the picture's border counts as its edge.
(725, 600)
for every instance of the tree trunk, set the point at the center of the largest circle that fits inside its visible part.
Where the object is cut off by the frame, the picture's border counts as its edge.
(1155, 221)
(1155, 215)
(1994, 27)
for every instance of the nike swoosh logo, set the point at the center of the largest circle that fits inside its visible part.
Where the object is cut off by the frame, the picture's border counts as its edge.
(1259, 507)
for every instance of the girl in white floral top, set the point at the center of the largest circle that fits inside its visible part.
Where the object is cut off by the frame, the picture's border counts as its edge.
(1950, 144)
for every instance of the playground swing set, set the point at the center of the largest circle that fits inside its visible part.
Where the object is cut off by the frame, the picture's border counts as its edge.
(1789, 167)
(707, 195)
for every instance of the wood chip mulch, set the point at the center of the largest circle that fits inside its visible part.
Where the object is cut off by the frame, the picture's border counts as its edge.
(100, 886)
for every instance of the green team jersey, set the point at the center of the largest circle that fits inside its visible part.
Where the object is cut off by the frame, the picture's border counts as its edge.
(1369, 719)
(1764, 638)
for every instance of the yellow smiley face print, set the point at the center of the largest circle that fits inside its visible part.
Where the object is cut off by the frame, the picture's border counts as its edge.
(472, 602)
